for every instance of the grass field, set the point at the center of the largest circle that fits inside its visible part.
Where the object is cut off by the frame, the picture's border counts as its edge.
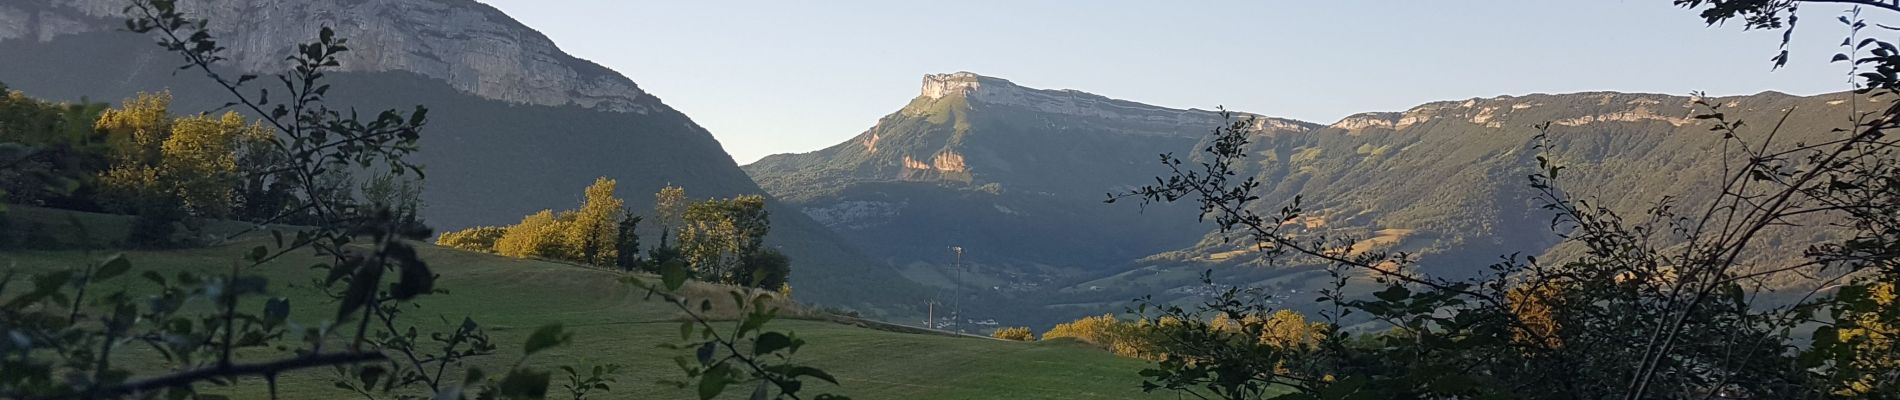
(614, 323)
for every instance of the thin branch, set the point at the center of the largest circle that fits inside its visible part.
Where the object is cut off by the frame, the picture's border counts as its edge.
(233, 371)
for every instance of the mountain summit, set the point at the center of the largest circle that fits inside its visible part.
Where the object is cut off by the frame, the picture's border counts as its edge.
(977, 131)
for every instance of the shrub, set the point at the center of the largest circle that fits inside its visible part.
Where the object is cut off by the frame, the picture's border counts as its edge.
(537, 235)
(480, 238)
(1017, 333)
(764, 269)
(1124, 338)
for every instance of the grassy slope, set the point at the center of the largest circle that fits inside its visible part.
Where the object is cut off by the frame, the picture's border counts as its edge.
(614, 324)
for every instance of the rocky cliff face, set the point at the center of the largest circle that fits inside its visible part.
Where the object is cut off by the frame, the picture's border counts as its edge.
(1149, 120)
(472, 46)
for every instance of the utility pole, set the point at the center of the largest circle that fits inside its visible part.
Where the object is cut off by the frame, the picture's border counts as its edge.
(930, 315)
(956, 313)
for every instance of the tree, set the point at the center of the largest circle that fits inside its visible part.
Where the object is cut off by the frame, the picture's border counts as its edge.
(400, 195)
(627, 242)
(1533, 305)
(164, 168)
(198, 161)
(134, 134)
(135, 130)
(51, 151)
(718, 234)
(1864, 341)
(537, 235)
(592, 234)
(669, 210)
(659, 256)
(765, 269)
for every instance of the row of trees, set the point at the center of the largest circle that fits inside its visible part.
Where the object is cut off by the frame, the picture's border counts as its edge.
(141, 159)
(719, 240)
(1156, 338)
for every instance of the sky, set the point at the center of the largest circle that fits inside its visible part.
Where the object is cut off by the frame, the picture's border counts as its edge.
(770, 77)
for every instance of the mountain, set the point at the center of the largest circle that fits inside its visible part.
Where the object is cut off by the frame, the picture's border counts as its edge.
(1447, 182)
(1017, 175)
(517, 125)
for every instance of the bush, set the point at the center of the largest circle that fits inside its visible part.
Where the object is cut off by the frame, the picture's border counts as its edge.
(538, 235)
(480, 238)
(658, 256)
(765, 269)
(1016, 333)
(1124, 338)
(156, 224)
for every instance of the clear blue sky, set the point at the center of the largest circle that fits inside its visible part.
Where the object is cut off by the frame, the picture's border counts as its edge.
(794, 76)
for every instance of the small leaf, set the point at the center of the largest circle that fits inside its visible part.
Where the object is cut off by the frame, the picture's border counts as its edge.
(370, 374)
(546, 337)
(770, 342)
(714, 381)
(673, 274)
(276, 310)
(523, 384)
(115, 266)
(705, 353)
(796, 372)
(1393, 294)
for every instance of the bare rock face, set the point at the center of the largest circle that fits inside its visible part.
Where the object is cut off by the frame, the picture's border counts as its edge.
(472, 46)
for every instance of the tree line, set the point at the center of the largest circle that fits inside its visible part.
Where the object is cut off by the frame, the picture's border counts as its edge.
(170, 171)
(717, 240)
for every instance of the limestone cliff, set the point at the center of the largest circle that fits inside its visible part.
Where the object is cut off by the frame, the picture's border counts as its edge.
(472, 46)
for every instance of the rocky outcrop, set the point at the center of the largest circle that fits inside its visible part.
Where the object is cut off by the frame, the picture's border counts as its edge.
(1000, 92)
(469, 45)
(1576, 109)
(856, 214)
(1386, 120)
